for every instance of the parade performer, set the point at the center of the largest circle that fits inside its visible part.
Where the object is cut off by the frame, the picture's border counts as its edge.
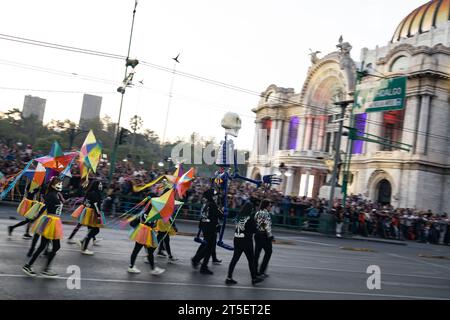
(165, 231)
(263, 237)
(208, 226)
(29, 208)
(89, 214)
(144, 235)
(226, 159)
(243, 243)
(49, 227)
(88, 160)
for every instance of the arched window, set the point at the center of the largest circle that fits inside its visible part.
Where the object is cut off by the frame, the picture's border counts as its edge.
(401, 64)
(293, 132)
(392, 127)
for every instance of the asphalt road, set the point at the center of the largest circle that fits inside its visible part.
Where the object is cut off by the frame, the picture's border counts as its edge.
(302, 267)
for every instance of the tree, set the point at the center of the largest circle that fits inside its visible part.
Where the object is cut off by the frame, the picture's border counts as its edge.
(136, 123)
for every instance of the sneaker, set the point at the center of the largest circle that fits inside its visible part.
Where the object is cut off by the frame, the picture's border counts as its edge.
(263, 275)
(172, 259)
(206, 271)
(157, 271)
(29, 271)
(71, 241)
(230, 281)
(194, 264)
(87, 252)
(47, 273)
(217, 262)
(10, 230)
(97, 241)
(161, 254)
(27, 236)
(256, 280)
(134, 270)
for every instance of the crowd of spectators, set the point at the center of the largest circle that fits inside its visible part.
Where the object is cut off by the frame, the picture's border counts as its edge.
(360, 216)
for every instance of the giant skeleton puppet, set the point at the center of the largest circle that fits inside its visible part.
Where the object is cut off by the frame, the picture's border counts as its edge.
(228, 169)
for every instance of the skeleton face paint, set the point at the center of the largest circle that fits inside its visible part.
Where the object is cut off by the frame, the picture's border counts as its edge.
(58, 186)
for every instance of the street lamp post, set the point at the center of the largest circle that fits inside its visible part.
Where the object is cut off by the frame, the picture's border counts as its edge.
(334, 176)
(127, 80)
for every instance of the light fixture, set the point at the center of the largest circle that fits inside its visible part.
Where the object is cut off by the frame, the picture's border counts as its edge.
(160, 164)
(141, 163)
(288, 173)
(125, 160)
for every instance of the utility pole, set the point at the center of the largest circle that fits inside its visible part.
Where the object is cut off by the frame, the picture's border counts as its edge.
(127, 81)
(337, 148)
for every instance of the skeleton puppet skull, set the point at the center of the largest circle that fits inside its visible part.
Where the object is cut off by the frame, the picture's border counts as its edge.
(231, 122)
(58, 186)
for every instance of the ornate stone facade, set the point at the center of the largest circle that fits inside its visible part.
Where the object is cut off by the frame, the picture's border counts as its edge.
(299, 129)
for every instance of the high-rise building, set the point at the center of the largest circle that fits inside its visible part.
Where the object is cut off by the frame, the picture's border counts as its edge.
(34, 106)
(90, 109)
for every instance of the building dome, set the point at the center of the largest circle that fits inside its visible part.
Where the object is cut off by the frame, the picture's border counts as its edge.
(433, 14)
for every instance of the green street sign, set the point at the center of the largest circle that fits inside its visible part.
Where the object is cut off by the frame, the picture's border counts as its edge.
(380, 95)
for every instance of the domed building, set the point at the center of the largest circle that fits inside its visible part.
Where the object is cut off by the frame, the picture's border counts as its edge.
(299, 130)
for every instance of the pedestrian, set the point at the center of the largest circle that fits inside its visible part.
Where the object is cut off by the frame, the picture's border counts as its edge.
(208, 226)
(339, 216)
(243, 243)
(263, 237)
(49, 227)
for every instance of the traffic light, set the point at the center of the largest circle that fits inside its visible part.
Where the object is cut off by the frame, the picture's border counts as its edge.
(123, 136)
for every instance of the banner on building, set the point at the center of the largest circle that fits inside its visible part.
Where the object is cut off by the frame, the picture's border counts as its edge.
(381, 95)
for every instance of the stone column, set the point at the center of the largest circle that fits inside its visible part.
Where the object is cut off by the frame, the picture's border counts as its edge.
(285, 135)
(322, 120)
(301, 134)
(276, 136)
(308, 173)
(422, 137)
(375, 126)
(289, 183)
(410, 122)
(308, 133)
(256, 138)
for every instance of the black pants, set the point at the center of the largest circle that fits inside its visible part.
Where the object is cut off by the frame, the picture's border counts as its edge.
(262, 241)
(21, 223)
(164, 242)
(205, 250)
(246, 246)
(137, 249)
(76, 229)
(92, 232)
(44, 243)
(214, 252)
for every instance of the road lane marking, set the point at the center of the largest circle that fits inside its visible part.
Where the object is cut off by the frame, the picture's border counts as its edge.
(177, 284)
(417, 260)
(275, 265)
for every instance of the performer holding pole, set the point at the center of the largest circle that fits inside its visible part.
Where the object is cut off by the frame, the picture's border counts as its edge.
(49, 227)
